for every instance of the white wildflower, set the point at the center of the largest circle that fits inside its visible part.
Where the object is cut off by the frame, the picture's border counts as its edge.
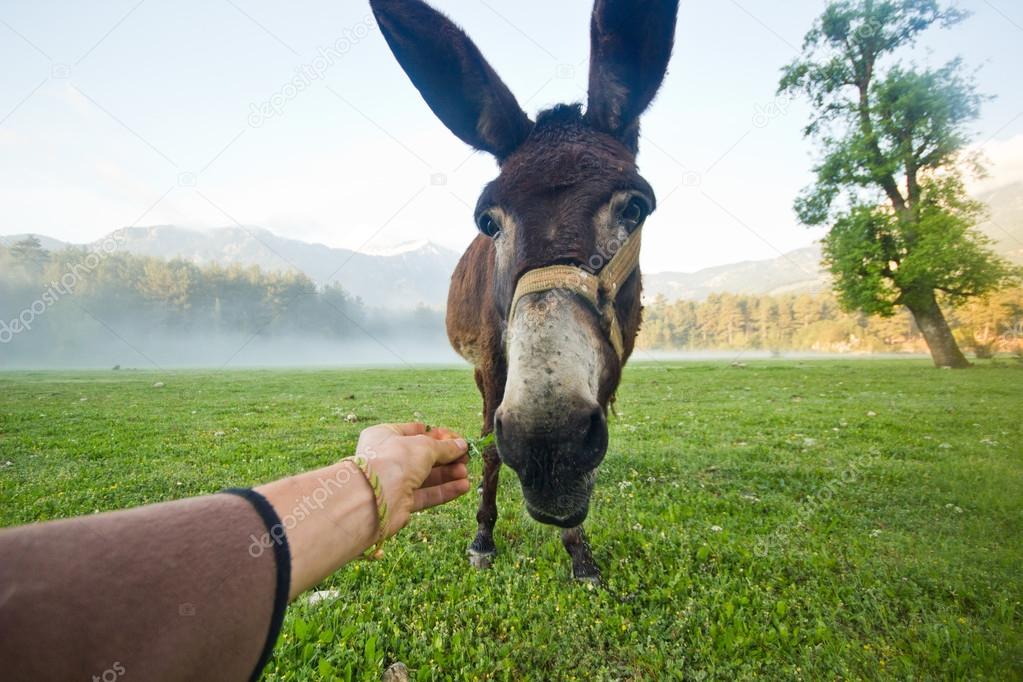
(322, 596)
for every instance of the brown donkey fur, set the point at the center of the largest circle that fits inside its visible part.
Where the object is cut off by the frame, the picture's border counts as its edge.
(568, 192)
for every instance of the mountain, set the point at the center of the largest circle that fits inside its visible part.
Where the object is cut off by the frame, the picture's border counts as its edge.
(794, 272)
(1005, 220)
(418, 273)
(402, 278)
(800, 271)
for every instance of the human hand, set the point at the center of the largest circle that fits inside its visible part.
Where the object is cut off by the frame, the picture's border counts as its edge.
(418, 469)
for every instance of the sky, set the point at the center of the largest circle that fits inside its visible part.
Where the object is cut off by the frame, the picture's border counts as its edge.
(156, 112)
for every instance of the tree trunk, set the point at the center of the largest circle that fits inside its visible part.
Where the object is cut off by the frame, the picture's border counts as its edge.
(929, 318)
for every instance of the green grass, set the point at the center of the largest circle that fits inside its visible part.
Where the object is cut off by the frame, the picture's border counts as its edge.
(817, 520)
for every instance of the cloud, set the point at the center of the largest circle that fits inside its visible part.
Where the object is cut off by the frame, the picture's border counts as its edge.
(1004, 162)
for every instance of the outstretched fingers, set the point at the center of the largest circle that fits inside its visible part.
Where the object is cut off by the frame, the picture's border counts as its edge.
(424, 498)
(445, 451)
(446, 472)
(442, 433)
(409, 429)
(449, 475)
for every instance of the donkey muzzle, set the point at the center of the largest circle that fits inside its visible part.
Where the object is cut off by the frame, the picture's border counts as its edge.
(556, 466)
(572, 443)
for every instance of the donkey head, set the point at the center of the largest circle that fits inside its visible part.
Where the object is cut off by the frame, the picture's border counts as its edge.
(569, 193)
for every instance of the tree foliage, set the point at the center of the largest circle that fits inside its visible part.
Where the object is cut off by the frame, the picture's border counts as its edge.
(889, 182)
(29, 253)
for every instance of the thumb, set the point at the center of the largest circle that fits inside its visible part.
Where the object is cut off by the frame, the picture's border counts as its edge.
(448, 450)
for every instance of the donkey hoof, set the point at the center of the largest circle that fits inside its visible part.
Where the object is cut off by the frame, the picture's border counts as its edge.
(478, 559)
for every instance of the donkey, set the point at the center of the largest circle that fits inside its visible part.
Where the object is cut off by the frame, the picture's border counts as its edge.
(545, 302)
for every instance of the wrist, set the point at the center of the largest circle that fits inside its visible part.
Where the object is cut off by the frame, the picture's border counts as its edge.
(353, 510)
(329, 516)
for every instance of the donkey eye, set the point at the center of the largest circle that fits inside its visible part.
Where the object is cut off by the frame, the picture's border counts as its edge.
(488, 226)
(633, 215)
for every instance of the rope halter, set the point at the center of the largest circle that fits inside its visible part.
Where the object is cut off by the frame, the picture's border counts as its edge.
(600, 289)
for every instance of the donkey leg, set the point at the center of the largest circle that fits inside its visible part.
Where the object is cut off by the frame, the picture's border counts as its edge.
(482, 550)
(584, 568)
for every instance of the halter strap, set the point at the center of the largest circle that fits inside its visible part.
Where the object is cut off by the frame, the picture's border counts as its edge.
(599, 290)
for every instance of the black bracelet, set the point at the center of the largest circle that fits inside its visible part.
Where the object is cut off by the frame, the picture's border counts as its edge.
(282, 557)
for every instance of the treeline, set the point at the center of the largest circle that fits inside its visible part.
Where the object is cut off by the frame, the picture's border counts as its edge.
(815, 322)
(53, 302)
(77, 307)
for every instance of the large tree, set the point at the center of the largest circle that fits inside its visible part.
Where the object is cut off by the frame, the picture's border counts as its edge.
(889, 184)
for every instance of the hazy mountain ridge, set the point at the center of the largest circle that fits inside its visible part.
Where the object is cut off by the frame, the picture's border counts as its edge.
(800, 271)
(1005, 220)
(406, 279)
(797, 271)
(418, 273)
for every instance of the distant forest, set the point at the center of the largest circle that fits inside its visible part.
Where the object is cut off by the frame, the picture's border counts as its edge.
(815, 322)
(59, 305)
(55, 305)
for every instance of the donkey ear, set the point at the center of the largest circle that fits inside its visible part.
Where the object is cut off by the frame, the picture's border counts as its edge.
(453, 77)
(630, 45)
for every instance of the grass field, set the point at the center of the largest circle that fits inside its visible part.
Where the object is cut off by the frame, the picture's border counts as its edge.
(816, 520)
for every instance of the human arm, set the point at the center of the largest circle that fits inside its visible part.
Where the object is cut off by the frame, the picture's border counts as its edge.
(334, 510)
(193, 589)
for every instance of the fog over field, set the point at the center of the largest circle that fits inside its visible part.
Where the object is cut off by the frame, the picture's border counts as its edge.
(140, 348)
